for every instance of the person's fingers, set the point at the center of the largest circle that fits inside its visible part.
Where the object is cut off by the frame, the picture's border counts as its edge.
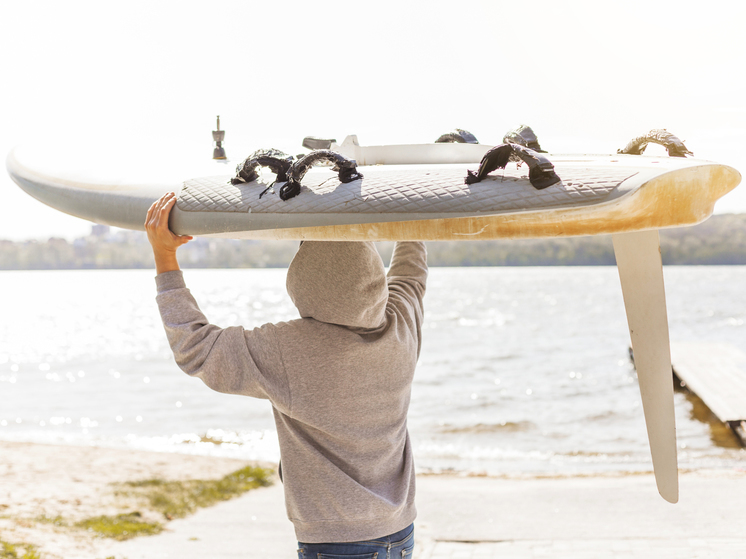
(151, 211)
(165, 212)
(154, 216)
(165, 203)
(152, 219)
(183, 239)
(159, 210)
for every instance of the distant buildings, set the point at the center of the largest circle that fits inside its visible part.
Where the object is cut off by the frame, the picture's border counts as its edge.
(100, 231)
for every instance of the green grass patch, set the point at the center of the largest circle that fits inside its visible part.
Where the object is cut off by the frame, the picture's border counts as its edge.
(56, 520)
(173, 499)
(120, 527)
(176, 499)
(18, 551)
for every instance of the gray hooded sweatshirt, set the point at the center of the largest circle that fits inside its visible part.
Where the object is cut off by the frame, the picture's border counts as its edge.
(339, 380)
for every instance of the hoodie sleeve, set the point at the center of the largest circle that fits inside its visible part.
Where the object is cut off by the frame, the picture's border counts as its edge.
(408, 272)
(230, 360)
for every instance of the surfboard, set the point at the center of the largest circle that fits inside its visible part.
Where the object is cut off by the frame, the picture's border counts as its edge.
(407, 192)
(420, 192)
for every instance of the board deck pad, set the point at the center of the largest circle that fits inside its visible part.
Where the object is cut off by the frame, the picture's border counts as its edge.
(386, 190)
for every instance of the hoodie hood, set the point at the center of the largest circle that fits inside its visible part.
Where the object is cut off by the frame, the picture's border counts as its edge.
(339, 282)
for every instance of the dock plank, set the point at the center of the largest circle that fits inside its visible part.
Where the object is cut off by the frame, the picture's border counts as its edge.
(716, 372)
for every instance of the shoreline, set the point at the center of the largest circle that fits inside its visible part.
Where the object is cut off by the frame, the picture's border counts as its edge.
(735, 462)
(43, 482)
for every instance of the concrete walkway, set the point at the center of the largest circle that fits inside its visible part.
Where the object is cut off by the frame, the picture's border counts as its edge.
(254, 526)
(582, 518)
(465, 518)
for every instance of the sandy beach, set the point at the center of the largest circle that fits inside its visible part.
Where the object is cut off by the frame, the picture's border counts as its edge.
(459, 516)
(40, 481)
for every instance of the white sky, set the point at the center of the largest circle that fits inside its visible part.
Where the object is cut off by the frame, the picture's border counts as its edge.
(587, 76)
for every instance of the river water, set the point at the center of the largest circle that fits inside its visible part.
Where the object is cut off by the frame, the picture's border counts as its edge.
(522, 371)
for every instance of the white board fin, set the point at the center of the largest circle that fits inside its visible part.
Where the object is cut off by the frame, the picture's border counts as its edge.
(641, 274)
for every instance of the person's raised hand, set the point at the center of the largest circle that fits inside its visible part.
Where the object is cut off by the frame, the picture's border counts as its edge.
(161, 238)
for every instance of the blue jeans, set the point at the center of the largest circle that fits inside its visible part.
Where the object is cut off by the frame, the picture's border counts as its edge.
(395, 546)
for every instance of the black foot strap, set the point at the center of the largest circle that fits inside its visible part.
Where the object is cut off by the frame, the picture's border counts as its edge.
(523, 136)
(277, 161)
(458, 136)
(540, 169)
(673, 145)
(347, 169)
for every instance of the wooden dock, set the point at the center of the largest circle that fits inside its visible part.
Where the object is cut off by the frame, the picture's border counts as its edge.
(717, 374)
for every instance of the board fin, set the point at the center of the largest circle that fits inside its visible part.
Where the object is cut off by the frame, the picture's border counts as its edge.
(641, 275)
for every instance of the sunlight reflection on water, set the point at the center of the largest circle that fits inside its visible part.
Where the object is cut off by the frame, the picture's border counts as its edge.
(522, 369)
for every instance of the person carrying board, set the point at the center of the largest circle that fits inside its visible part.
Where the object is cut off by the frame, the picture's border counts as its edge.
(339, 380)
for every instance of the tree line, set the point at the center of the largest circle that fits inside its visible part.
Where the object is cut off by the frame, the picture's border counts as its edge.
(721, 240)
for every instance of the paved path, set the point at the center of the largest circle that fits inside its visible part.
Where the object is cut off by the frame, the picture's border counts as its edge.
(720, 548)
(483, 518)
(582, 517)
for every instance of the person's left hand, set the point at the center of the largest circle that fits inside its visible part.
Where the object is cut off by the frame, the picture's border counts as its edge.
(160, 236)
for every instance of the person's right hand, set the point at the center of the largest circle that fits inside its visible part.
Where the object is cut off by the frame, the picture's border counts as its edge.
(161, 238)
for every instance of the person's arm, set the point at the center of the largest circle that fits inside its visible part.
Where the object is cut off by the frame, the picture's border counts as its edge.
(409, 267)
(229, 360)
(406, 280)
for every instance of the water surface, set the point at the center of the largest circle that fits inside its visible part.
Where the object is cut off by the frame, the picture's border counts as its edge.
(523, 370)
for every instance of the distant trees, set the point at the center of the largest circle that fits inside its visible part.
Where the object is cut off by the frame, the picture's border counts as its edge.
(719, 240)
